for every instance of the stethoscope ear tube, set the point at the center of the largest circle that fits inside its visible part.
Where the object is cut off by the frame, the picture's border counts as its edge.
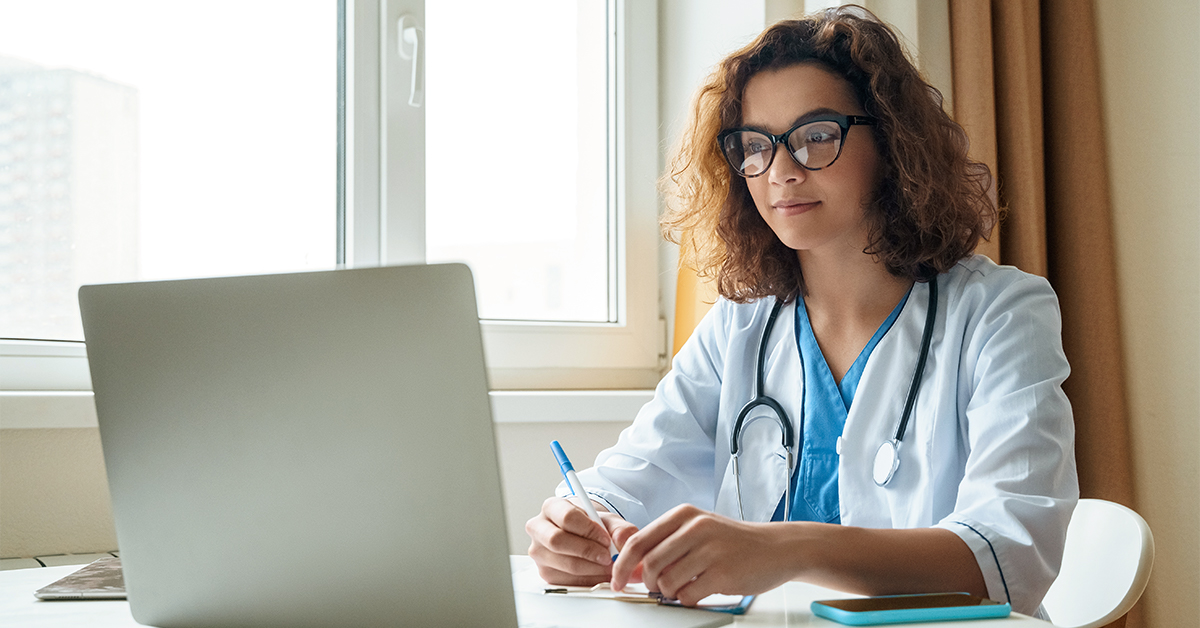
(926, 340)
(887, 457)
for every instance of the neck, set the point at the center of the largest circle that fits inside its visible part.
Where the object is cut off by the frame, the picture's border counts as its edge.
(852, 287)
(849, 296)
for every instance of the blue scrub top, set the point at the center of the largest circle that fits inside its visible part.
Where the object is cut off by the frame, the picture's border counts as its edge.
(814, 485)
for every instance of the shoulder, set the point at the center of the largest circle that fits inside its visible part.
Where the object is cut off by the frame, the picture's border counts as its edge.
(1005, 315)
(977, 284)
(726, 325)
(733, 318)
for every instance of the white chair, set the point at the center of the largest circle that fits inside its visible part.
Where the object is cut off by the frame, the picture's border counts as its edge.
(1105, 566)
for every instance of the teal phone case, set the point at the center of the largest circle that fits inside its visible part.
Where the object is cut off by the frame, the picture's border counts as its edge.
(909, 615)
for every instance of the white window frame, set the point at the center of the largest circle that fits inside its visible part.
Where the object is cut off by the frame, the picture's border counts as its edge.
(627, 354)
(385, 217)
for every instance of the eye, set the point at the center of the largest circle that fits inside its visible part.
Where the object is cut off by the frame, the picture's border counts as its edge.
(819, 133)
(752, 145)
(819, 136)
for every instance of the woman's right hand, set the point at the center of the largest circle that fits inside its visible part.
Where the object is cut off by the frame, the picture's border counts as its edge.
(569, 548)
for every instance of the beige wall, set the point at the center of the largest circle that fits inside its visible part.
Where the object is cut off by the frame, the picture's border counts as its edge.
(1150, 64)
(54, 494)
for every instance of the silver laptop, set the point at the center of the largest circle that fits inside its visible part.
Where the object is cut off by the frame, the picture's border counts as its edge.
(311, 449)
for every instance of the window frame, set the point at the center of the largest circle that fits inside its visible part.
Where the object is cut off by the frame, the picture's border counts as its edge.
(386, 226)
(630, 353)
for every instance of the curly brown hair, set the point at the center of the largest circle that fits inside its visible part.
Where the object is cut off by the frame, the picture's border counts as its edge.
(930, 210)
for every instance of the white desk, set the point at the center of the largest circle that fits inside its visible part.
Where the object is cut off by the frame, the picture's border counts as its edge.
(786, 606)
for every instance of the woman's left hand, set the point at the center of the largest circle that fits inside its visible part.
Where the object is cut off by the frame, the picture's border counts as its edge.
(689, 554)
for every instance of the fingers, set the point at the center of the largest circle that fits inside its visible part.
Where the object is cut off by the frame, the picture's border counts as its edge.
(651, 538)
(567, 533)
(695, 589)
(569, 547)
(619, 529)
(686, 579)
(680, 555)
(573, 519)
(686, 554)
(562, 578)
(567, 570)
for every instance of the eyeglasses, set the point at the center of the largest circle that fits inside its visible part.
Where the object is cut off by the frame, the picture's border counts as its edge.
(814, 144)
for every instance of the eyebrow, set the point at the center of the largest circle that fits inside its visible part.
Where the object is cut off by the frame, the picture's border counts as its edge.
(800, 119)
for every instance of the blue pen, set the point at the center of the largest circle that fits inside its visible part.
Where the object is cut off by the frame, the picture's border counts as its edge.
(576, 486)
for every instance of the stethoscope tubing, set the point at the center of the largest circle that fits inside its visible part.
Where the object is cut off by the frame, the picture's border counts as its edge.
(926, 340)
(788, 430)
(760, 399)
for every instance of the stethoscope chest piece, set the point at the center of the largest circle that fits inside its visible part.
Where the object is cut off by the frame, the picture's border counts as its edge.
(887, 460)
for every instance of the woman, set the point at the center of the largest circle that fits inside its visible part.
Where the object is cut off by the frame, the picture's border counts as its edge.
(858, 235)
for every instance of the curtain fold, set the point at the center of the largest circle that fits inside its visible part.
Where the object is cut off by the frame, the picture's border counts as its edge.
(1053, 183)
(1016, 44)
(1082, 264)
(975, 91)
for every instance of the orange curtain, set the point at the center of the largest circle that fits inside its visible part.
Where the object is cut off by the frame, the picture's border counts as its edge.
(1027, 88)
(693, 298)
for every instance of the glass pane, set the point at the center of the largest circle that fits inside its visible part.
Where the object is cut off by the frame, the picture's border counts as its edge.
(142, 139)
(516, 157)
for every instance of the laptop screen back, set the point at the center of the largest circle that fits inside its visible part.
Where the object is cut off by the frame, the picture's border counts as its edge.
(309, 449)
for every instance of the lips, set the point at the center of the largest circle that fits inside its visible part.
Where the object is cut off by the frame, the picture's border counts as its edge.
(792, 207)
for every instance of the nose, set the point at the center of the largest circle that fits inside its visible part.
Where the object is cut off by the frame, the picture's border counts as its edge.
(784, 169)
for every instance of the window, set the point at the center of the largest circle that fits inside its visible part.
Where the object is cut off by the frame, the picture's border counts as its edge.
(120, 165)
(619, 345)
(217, 155)
(516, 162)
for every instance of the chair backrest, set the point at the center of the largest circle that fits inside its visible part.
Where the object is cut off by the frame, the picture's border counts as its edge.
(1105, 566)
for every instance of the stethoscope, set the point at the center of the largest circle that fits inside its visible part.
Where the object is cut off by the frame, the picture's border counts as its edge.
(887, 457)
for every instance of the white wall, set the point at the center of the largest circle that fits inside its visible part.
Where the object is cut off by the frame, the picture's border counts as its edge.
(1150, 70)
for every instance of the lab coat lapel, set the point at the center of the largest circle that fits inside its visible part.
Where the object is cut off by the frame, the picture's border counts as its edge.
(874, 416)
(763, 462)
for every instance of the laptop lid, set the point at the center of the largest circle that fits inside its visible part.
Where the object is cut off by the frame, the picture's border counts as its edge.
(309, 449)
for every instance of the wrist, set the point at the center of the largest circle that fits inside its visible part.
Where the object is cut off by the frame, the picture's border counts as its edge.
(806, 548)
(791, 547)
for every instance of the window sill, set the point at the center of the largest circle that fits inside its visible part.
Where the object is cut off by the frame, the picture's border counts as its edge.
(75, 409)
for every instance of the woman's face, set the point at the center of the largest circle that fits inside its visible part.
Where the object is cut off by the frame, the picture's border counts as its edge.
(822, 210)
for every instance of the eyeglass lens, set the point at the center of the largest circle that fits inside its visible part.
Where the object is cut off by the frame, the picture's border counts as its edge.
(814, 145)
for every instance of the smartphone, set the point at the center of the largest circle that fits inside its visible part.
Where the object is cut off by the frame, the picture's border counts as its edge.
(898, 609)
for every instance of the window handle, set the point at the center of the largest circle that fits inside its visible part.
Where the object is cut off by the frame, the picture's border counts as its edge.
(412, 43)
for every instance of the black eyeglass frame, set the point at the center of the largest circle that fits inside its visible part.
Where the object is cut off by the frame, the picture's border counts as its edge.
(844, 122)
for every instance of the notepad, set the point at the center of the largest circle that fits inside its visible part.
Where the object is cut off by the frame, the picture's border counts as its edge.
(100, 580)
(637, 593)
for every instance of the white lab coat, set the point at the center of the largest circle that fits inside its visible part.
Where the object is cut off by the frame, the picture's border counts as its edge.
(988, 453)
